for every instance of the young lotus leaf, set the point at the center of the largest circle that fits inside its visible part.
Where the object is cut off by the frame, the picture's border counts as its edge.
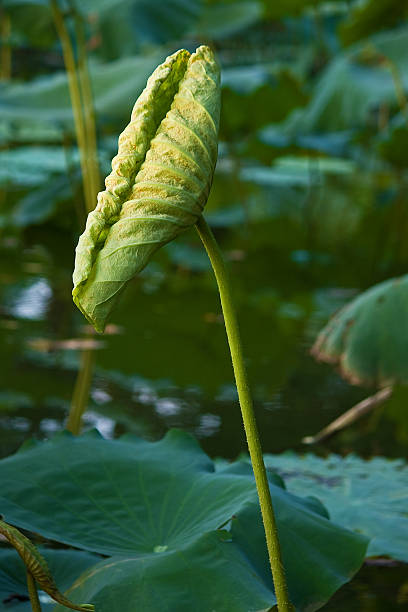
(368, 338)
(159, 182)
(37, 566)
(65, 565)
(179, 535)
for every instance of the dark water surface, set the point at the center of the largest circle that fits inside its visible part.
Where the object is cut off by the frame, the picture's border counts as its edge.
(165, 362)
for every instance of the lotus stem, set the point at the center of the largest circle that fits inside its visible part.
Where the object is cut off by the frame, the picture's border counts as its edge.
(81, 392)
(398, 86)
(88, 109)
(248, 414)
(75, 95)
(350, 416)
(85, 130)
(33, 593)
(5, 49)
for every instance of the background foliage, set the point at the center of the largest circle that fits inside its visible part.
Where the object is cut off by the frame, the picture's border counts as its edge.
(309, 204)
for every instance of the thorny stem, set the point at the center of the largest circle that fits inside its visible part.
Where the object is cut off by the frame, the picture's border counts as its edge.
(248, 414)
(33, 593)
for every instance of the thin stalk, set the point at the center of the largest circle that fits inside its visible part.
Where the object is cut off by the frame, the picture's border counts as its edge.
(75, 95)
(5, 49)
(350, 416)
(85, 130)
(32, 592)
(81, 392)
(248, 414)
(88, 109)
(399, 87)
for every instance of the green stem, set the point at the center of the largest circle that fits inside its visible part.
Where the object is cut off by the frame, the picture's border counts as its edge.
(81, 392)
(85, 130)
(32, 591)
(5, 46)
(88, 108)
(75, 95)
(248, 415)
(399, 87)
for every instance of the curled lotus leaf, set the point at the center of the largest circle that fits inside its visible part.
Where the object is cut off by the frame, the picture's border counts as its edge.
(368, 338)
(160, 180)
(37, 566)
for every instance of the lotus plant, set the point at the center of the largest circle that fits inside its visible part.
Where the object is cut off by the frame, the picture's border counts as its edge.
(158, 187)
(37, 571)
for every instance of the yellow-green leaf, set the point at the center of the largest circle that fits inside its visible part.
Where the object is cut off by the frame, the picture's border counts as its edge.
(159, 182)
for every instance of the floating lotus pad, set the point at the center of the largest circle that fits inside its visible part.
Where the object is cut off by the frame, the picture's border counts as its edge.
(179, 535)
(368, 338)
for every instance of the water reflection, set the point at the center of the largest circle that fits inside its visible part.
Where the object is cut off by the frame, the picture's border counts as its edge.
(32, 302)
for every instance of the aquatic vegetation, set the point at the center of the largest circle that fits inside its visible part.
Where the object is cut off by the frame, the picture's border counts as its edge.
(309, 203)
(171, 524)
(159, 183)
(38, 571)
(158, 187)
(367, 341)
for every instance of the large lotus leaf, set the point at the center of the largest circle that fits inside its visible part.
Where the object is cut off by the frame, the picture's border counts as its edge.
(222, 19)
(159, 182)
(65, 565)
(151, 20)
(350, 87)
(227, 571)
(212, 574)
(368, 497)
(392, 143)
(370, 16)
(290, 8)
(368, 337)
(30, 166)
(159, 22)
(29, 110)
(158, 506)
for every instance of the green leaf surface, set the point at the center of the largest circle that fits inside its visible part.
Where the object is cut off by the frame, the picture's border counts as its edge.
(370, 16)
(158, 22)
(354, 84)
(212, 574)
(367, 338)
(44, 101)
(223, 19)
(65, 565)
(39, 204)
(158, 508)
(159, 183)
(31, 165)
(392, 145)
(368, 497)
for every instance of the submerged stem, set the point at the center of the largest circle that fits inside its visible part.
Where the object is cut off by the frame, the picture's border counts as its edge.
(5, 46)
(351, 415)
(33, 593)
(248, 415)
(81, 392)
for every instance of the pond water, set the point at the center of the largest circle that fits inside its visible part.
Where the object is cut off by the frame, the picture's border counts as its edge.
(296, 253)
